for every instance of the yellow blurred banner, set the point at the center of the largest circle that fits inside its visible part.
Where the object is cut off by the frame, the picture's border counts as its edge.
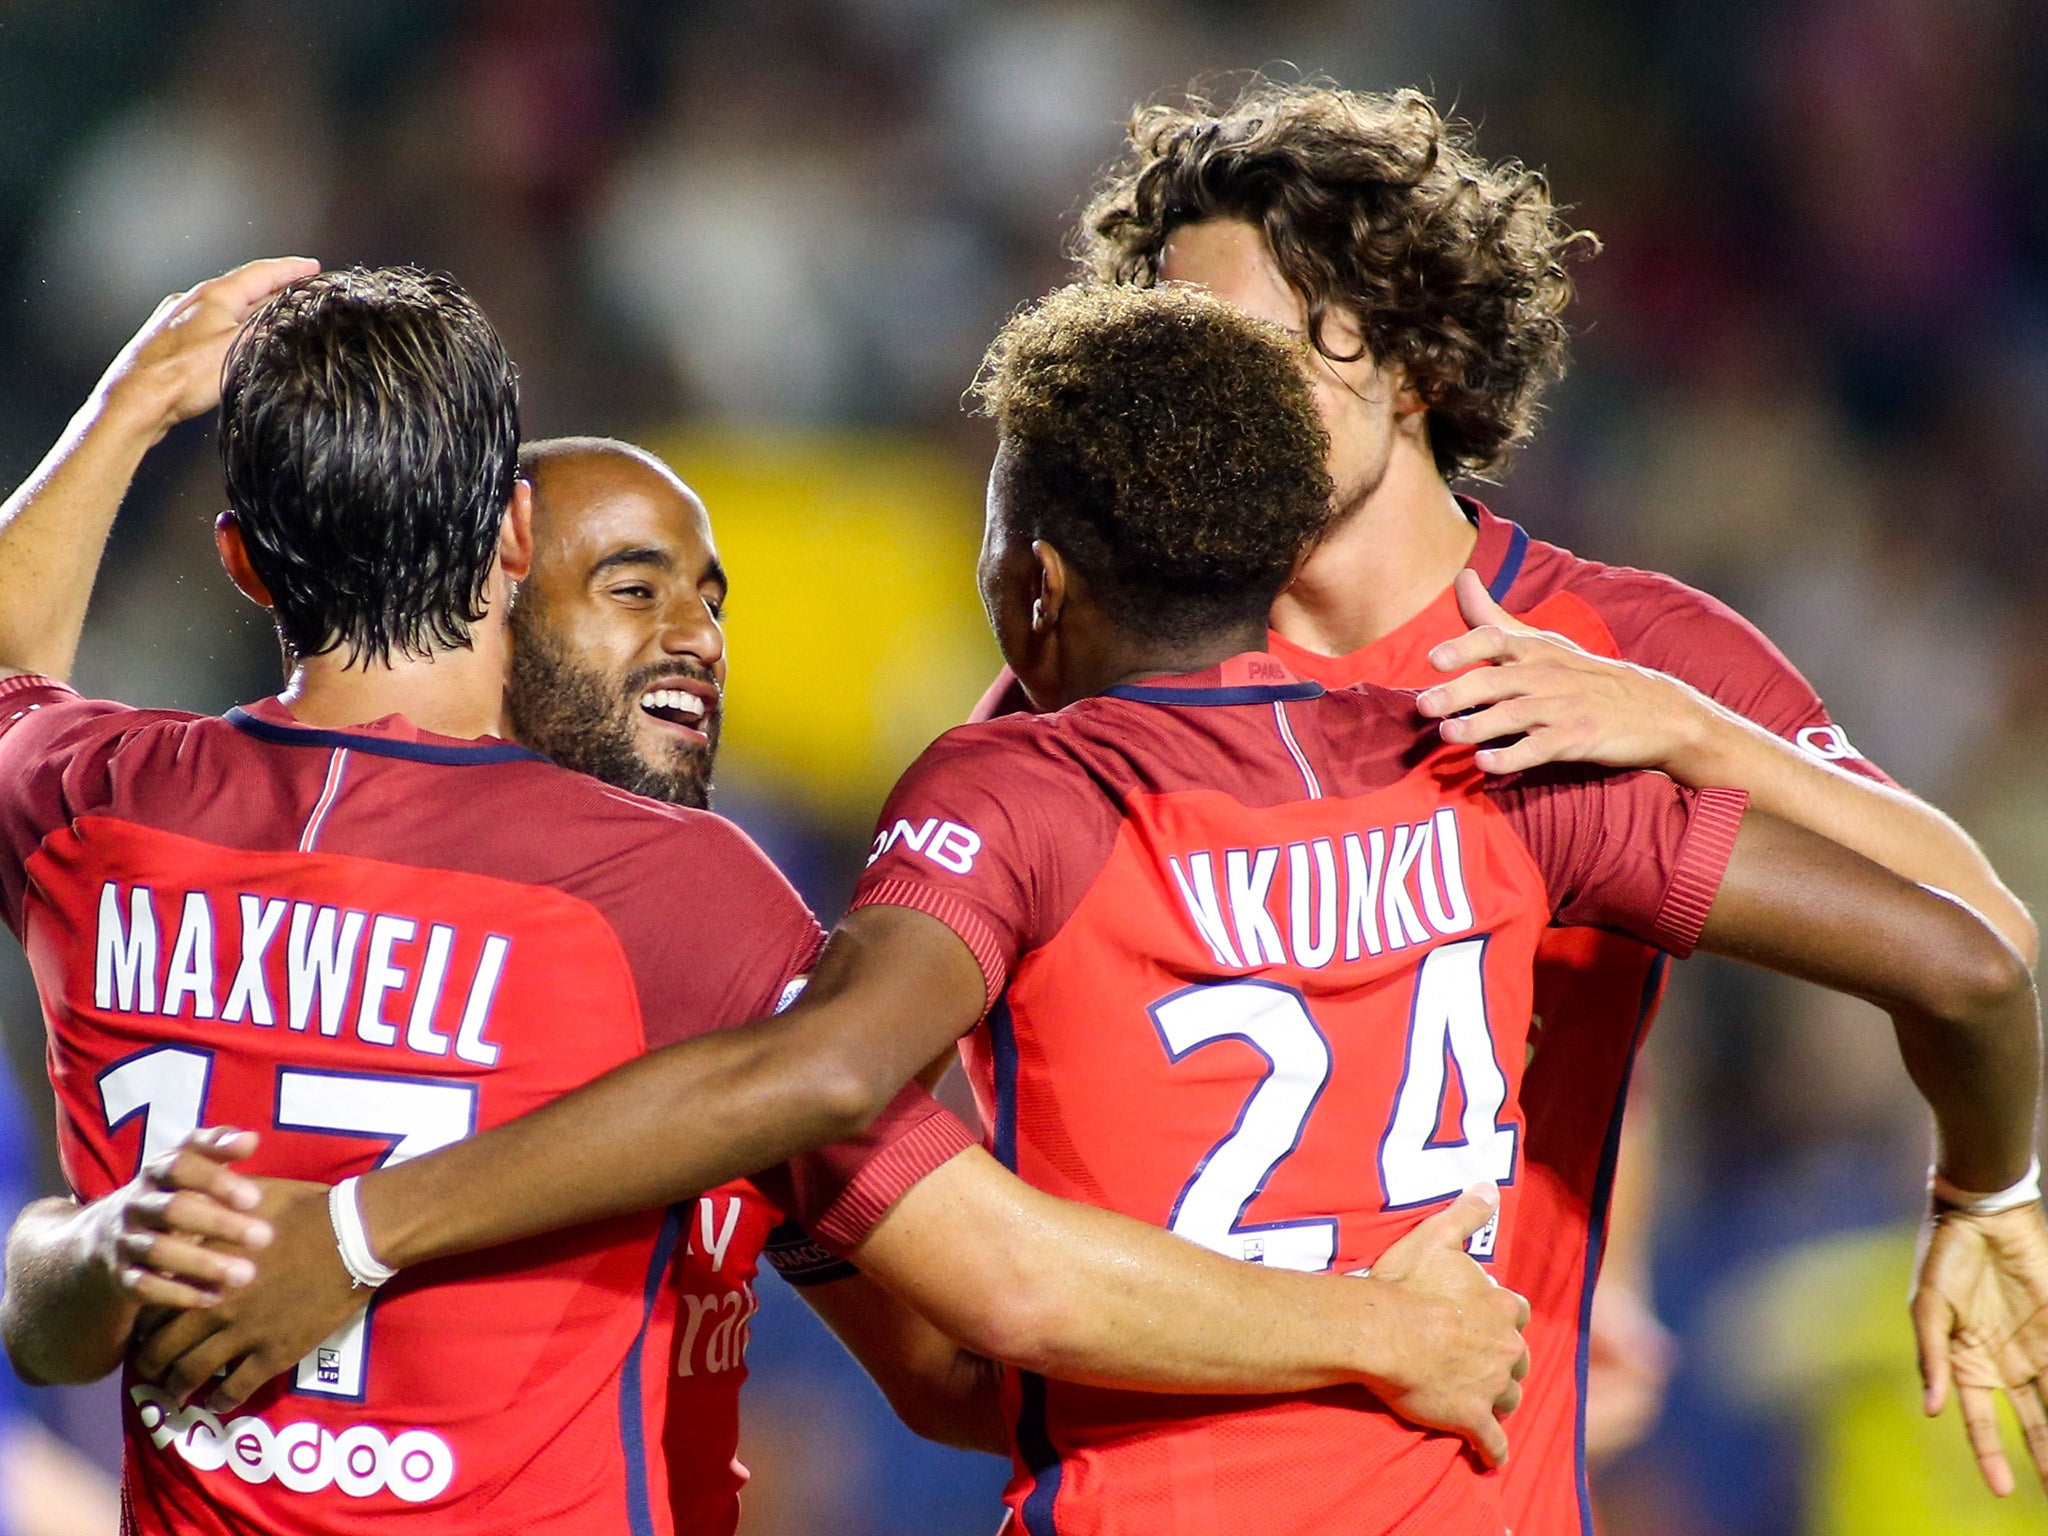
(854, 630)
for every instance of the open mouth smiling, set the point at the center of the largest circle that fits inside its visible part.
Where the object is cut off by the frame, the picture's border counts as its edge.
(684, 706)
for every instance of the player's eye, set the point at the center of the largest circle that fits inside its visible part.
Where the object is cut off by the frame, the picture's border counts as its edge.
(714, 604)
(634, 592)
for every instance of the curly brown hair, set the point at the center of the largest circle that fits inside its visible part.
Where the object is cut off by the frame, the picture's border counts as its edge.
(1455, 269)
(1165, 443)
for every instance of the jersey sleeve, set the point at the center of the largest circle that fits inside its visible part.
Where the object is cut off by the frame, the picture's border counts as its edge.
(1664, 624)
(838, 1193)
(1630, 851)
(767, 940)
(964, 838)
(50, 740)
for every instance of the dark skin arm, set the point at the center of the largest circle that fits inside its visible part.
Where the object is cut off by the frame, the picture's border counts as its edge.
(894, 987)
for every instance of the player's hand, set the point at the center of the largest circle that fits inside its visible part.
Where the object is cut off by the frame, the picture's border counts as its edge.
(1462, 1357)
(157, 1234)
(1980, 1310)
(170, 370)
(1629, 1356)
(300, 1295)
(1549, 701)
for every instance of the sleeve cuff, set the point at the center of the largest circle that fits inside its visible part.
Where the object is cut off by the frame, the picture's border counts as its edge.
(957, 915)
(889, 1176)
(31, 682)
(1696, 874)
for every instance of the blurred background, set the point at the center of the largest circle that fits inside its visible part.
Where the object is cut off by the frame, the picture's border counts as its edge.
(771, 237)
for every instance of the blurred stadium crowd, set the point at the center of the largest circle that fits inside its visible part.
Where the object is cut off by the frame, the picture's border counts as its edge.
(771, 237)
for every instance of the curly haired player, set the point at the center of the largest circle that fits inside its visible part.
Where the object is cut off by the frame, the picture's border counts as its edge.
(1432, 286)
(1232, 953)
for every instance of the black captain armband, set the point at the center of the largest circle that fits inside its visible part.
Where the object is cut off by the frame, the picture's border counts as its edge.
(802, 1260)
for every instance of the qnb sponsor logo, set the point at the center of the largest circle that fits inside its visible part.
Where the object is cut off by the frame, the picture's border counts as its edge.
(362, 1461)
(1829, 742)
(946, 843)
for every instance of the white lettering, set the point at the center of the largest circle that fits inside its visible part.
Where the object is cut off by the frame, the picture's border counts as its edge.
(470, 1043)
(1247, 877)
(714, 1245)
(686, 1351)
(320, 958)
(191, 973)
(1362, 904)
(1397, 907)
(124, 971)
(955, 847)
(1198, 892)
(381, 976)
(1452, 911)
(420, 1033)
(1312, 953)
(250, 993)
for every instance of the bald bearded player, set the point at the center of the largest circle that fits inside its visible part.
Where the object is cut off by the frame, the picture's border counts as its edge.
(618, 671)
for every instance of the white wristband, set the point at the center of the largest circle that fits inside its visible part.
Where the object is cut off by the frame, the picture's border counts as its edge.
(2027, 1190)
(352, 1239)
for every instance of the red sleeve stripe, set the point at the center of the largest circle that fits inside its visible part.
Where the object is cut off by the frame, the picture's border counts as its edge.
(1696, 874)
(33, 682)
(955, 914)
(890, 1175)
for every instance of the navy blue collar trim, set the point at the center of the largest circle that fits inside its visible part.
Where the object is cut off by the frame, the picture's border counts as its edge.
(1258, 693)
(1510, 564)
(379, 746)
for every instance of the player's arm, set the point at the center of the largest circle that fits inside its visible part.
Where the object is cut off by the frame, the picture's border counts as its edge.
(1968, 1027)
(1568, 705)
(943, 1391)
(53, 529)
(79, 1275)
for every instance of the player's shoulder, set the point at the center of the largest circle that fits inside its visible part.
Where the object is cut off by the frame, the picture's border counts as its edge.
(1641, 610)
(575, 807)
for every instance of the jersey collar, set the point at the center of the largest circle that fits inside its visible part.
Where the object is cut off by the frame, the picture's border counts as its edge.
(1253, 677)
(392, 736)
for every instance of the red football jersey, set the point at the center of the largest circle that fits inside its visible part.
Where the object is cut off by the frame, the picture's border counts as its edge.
(726, 1236)
(1597, 991)
(1292, 936)
(366, 944)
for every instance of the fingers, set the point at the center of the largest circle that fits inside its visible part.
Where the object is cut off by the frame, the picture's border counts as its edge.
(200, 1166)
(179, 1259)
(243, 1383)
(192, 1370)
(245, 289)
(1522, 1365)
(1489, 1440)
(1511, 717)
(2033, 1417)
(191, 1215)
(1456, 1223)
(1480, 647)
(1980, 1421)
(153, 1290)
(1476, 604)
(1471, 690)
(1521, 1317)
(159, 1350)
(1509, 1400)
(1933, 1321)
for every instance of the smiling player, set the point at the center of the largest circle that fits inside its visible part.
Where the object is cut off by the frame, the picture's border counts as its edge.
(1241, 956)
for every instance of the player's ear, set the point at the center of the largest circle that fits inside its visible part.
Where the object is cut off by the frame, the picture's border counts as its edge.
(1050, 587)
(234, 556)
(515, 533)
